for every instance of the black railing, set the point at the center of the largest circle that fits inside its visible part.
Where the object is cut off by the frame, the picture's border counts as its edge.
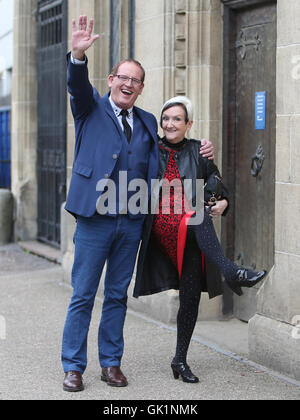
(52, 120)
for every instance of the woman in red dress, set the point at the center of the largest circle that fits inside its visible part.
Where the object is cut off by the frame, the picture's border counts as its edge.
(177, 253)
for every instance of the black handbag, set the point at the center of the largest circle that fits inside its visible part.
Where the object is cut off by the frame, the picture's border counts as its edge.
(213, 189)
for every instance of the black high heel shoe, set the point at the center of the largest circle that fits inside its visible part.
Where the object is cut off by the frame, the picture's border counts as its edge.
(245, 278)
(184, 371)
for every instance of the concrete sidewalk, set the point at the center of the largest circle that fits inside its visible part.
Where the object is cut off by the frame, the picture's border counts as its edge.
(33, 304)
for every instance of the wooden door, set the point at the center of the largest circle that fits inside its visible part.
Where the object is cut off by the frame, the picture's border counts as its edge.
(252, 161)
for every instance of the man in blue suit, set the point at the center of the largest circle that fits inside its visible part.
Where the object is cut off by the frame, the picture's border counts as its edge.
(112, 137)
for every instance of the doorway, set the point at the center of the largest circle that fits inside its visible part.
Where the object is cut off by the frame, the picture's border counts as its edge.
(249, 138)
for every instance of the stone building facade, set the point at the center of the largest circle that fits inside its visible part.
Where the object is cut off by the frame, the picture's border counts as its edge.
(186, 48)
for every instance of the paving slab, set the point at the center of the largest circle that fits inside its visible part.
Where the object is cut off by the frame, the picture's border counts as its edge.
(33, 305)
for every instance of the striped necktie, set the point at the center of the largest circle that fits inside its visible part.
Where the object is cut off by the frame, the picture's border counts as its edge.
(126, 126)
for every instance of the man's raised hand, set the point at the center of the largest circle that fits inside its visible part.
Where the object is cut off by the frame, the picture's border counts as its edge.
(82, 37)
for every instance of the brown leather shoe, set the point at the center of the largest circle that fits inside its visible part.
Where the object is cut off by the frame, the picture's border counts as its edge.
(113, 376)
(73, 382)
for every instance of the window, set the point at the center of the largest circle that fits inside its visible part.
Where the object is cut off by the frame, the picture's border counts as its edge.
(115, 14)
(122, 30)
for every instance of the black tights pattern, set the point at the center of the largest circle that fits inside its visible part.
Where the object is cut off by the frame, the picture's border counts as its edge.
(190, 282)
(189, 298)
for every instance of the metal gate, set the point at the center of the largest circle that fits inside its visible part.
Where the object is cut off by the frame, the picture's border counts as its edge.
(52, 119)
(5, 148)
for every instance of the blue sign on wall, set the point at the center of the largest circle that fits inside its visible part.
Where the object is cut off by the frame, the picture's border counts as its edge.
(260, 110)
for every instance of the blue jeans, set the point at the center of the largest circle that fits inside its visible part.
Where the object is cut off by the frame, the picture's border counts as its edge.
(98, 239)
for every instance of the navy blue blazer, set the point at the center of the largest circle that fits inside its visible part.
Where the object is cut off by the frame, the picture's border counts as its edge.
(98, 141)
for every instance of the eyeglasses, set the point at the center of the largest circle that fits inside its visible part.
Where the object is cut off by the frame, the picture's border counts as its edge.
(135, 82)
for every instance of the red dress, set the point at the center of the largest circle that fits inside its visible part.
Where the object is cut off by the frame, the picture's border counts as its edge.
(170, 229)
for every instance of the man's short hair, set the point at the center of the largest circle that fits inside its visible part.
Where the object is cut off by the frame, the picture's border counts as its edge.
(115, 69)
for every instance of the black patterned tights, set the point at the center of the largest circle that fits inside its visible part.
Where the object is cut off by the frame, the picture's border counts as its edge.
(189, 297)
(209, 244)
(204, 237)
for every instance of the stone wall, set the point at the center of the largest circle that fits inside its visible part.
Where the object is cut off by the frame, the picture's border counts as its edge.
(24, 120)
(179, 44)
(274, 339)
(6, 216)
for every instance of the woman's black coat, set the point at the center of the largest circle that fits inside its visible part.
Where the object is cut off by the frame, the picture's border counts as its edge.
(155, 271)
